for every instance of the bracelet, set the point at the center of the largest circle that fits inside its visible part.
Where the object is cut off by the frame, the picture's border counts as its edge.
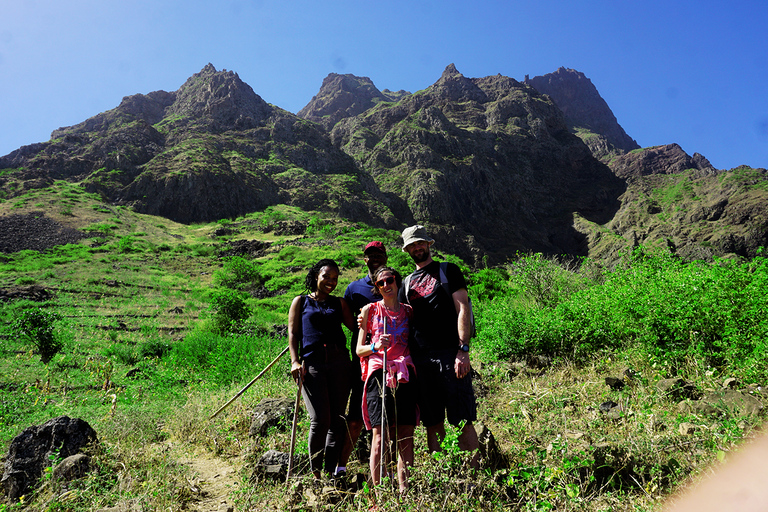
(373, 349)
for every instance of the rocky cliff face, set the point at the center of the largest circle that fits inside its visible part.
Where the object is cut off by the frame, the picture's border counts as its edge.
(586, 113)
(213, 149)
(491, 165)
(342, 96)
(488, 164)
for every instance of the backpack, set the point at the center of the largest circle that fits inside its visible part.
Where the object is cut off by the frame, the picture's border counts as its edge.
(444, 284)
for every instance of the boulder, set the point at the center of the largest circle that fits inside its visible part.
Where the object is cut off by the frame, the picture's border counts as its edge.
(36, 448)
(271, 412)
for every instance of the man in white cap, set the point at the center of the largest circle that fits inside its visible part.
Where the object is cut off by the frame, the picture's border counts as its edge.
(441, 328)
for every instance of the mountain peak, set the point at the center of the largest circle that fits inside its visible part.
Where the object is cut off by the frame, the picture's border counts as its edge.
(583, 106)
(451, 72)
(454, 86)
(220, 99)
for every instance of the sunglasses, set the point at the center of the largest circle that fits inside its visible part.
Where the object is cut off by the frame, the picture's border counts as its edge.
(383, 282)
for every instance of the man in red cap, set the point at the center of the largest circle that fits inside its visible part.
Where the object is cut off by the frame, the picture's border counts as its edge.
(358, 294)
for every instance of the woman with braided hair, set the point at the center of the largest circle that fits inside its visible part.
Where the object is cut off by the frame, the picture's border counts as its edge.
(319, 355)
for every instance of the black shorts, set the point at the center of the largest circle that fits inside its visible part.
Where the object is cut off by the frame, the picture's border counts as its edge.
(441, 393)
(401, 407)
(355, 412)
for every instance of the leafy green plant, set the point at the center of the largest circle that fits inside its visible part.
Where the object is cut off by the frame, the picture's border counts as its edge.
(238, 272)
(37, 326)
(230, 308)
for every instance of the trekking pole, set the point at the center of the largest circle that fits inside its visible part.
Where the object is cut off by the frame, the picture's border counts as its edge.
(250, 383)
(299, 382)
(383, 409)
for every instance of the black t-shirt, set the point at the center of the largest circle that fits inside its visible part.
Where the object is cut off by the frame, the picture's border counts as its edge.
(435, 321)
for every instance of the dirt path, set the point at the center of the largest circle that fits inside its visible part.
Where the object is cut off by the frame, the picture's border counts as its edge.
(213, 480)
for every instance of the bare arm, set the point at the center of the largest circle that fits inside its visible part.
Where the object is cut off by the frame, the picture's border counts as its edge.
(461, 302)
(346, 316)
(363, 349)
(294, 328)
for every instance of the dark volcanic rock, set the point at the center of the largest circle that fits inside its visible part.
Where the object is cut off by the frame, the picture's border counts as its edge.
(31, 451)
(34, 231)
(488, 164)
(584, 109)
(667, 159)
(342, 96)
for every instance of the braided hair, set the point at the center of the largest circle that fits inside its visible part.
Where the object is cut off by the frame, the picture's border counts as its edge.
(310, 282)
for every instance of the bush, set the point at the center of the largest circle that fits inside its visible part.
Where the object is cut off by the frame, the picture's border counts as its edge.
(710, 315)
(37, 325)
(237, 272)
(230, 308)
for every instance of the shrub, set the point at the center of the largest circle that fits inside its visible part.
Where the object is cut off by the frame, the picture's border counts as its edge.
(237, 272)
(36, 325)
(230, 308)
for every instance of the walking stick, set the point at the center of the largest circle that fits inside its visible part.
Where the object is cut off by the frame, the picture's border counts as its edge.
(383, 408)
(299, 382)
(250, 383)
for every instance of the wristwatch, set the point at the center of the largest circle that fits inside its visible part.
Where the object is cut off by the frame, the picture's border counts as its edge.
(464, 348)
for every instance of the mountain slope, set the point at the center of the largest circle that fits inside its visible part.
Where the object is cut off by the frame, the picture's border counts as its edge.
(213, 149)
(586, 113)
(488, 163)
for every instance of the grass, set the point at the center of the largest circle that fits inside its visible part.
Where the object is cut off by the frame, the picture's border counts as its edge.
(146, 360)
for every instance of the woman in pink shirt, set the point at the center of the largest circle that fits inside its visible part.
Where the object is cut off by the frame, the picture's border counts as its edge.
(387, 323)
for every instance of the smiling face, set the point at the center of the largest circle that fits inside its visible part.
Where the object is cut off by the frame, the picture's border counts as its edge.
(374, 259)
(386, 283)
(419, 251)
(327, 279)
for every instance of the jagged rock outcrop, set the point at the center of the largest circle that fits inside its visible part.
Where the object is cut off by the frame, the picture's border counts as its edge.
(667, 159)
(492, 165)
(586, 112)
(213, 149)
(343, 96)
(487, 163)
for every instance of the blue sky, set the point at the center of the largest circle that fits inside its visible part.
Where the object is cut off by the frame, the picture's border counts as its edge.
(688, 72)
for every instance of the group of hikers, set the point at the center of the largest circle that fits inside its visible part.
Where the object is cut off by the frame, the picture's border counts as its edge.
(410, 337)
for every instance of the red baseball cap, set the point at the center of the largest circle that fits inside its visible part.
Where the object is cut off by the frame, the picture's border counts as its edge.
(375, 245)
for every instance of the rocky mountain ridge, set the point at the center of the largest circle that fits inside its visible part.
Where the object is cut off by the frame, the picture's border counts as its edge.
(493, 166)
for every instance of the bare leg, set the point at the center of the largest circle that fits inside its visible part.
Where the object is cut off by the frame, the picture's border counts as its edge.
(376, 456)
(468, 442)
(435, 436)
(354, 428)
(404, 435)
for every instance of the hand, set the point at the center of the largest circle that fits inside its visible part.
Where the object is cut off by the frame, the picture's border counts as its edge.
(384, 341)
(360, 320)
(462, 365)
(297, 370)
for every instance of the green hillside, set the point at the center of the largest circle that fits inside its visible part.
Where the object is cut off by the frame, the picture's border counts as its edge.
(156, 324)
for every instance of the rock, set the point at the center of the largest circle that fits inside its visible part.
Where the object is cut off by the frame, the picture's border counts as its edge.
(489, 450)
(614, 383)
(607, 406)
(730, 401)
(74, 466)
(271, 412)
(31, 451)
(273, 465)
(677, 389)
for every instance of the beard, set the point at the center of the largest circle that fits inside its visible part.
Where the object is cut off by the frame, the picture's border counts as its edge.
(420, 256)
